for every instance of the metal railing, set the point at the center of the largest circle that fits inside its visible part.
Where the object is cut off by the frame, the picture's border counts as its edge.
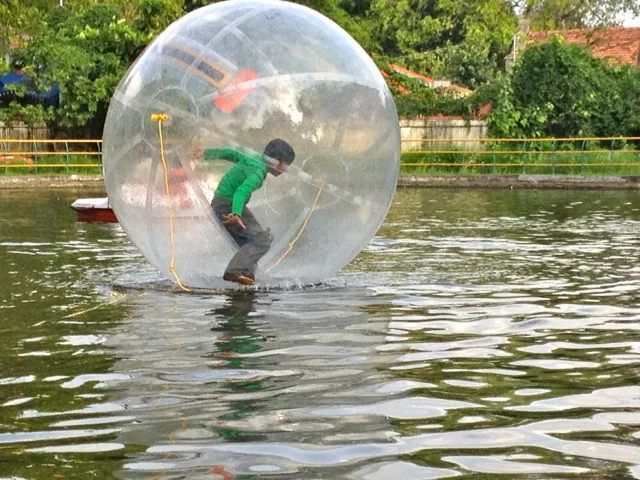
(452, 155)
(51, 156)
(615, 155)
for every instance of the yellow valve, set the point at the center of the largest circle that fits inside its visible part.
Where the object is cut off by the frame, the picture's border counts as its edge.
(159, 117)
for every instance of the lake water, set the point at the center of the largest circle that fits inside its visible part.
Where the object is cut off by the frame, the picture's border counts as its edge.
(482, 334)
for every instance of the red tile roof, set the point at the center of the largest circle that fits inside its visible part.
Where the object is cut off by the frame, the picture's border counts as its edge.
(620, 44)
(401, 88)
(410, 73)
(432, 82)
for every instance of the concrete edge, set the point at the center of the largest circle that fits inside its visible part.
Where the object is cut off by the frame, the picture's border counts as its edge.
(521, 181)
(25, 182)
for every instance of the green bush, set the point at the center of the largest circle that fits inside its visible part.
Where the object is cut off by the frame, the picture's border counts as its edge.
(544, 162)
(86, 50)
(561, 90)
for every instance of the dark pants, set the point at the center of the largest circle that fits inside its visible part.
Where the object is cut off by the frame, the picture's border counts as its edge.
(253, 241)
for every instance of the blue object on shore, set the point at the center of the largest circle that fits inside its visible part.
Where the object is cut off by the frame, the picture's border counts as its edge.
(49, 98)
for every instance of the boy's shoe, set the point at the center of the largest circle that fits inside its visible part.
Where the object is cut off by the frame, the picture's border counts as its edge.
(242, 279)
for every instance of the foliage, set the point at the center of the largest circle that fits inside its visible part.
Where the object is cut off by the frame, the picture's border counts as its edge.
(561, 14)
(461, 40)
(625, 108)
(560, 90)
(190, 5)
(85, 51)
(353, 21)
(18, 18)
(422, 100)
(87, 45)
(413, 98)
(4, 65)
(153, 16)
(468, 65)
(352, 15)
(463, 162)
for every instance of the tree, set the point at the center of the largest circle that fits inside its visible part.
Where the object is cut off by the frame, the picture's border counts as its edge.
(153, 16)
(17, 20)
(190, 5)
(560, 90)
(85, 48)
(352, 15)
(563, 14)
(462, 40)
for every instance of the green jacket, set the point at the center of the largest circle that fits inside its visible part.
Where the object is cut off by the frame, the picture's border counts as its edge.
(244, 178)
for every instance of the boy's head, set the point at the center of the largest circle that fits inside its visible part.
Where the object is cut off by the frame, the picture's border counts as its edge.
(17, 64)
(280, 151)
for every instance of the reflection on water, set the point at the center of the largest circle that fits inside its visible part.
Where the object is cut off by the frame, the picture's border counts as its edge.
(481, 333)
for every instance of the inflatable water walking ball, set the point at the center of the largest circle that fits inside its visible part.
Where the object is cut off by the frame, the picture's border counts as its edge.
(239, 74)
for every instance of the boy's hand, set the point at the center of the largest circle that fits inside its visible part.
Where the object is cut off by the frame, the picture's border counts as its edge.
(196, 153)
(233, 218)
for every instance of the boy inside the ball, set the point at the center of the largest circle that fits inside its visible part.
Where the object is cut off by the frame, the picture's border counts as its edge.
(232, 195)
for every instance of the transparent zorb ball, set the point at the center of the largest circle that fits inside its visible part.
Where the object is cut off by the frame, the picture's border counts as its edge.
(239, 74)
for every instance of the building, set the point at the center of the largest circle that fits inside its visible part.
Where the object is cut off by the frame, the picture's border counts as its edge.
(447, 86)
(620, 45)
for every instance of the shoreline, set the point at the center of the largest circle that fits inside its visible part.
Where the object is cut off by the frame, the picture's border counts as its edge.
(28, 182)
(523, 181)
(596, 182)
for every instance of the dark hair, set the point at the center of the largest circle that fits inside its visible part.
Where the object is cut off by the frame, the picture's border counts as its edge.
(280, 150)
(17, 64)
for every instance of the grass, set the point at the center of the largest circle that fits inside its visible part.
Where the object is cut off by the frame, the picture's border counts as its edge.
(51, 164)
(456, 162)
(436, 162)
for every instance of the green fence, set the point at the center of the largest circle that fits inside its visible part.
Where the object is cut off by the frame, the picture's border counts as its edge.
(50, 157)
(586, 156)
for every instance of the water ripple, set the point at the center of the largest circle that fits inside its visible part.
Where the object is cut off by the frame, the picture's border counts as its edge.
(480, 333)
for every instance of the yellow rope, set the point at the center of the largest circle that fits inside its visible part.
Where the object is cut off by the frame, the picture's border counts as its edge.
(302, 228)
(163, 117)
